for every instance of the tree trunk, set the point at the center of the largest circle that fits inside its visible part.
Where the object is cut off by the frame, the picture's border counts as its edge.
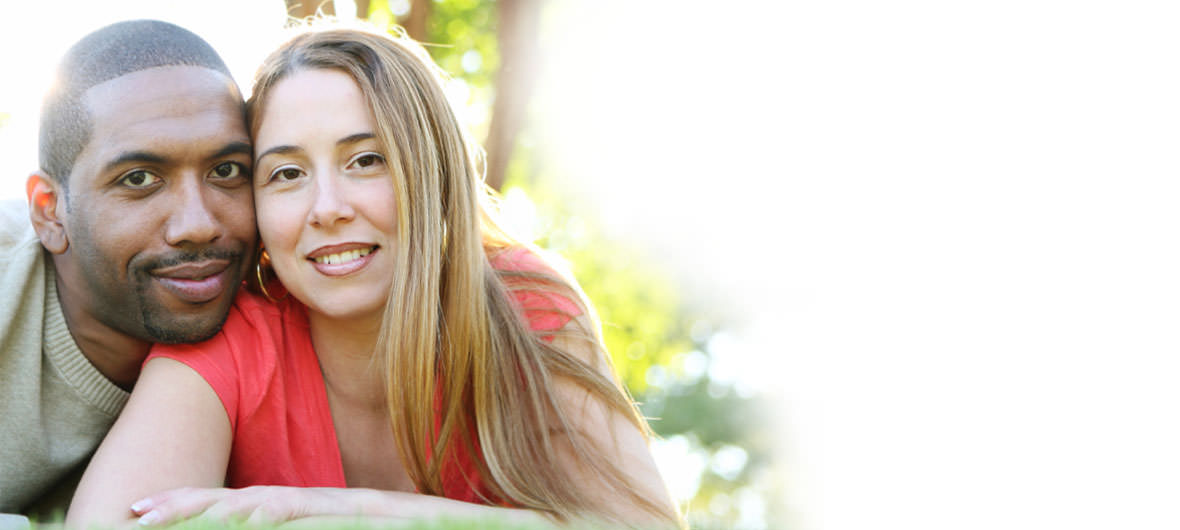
(517, 38)
(415, 22)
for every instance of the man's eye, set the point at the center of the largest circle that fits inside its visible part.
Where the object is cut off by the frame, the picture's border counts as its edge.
(139, 179)
(228, 170)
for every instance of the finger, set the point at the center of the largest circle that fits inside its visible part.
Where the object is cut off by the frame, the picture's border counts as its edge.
(233, 507)
(146, 504)
(270, 514)
(259, 504)
(142, 506)
(175, 505)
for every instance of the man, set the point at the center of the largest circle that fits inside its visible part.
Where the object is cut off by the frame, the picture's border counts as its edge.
(142, 228)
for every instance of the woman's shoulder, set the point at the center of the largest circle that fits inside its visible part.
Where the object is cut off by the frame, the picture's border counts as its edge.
(540, 284)
(245, 357)
(520, 259)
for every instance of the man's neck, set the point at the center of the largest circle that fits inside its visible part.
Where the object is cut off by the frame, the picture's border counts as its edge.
(116, 355)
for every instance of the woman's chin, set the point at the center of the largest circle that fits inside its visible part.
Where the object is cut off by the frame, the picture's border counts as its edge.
(354, 303)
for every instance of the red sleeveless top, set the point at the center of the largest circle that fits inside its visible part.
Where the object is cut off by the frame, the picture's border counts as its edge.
(263, 368)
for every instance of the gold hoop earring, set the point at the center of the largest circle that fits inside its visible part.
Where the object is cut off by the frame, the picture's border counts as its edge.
(262, 283)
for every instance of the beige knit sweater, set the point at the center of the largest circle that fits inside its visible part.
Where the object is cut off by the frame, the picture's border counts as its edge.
(55, 407)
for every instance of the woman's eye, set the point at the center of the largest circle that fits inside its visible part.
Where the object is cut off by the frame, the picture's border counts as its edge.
(138, 179)
(367, 160)
(286, 174)
(228, 170)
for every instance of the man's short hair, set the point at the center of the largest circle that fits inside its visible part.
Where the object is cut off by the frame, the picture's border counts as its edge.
(113, 51)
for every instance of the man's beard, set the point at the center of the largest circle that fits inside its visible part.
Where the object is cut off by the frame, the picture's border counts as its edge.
(159, 323)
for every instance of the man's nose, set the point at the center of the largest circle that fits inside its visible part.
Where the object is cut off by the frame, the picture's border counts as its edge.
(190, 221)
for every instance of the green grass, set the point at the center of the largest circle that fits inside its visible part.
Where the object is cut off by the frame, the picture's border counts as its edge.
(359, 524)
(342, 524)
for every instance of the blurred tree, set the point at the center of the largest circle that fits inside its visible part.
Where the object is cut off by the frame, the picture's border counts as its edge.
(476, 40)
(415, 21)
(515, 79)
(307, 8)
(411, 15)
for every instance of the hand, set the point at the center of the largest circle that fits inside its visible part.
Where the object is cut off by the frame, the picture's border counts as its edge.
(256, 504)
(278, 504)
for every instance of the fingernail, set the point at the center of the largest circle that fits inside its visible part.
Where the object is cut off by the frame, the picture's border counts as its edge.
(141, 505)
(149, 519)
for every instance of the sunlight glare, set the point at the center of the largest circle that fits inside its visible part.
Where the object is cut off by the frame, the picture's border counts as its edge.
(519, 215)
(680, 465)
(242, 32)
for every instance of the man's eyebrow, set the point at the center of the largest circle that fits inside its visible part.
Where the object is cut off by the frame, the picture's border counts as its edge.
(234, 148)
(134, 156)
(352, 139)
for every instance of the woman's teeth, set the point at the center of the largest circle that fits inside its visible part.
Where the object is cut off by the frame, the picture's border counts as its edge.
(344, 257)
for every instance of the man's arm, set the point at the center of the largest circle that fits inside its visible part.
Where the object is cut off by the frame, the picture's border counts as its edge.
(173, 433)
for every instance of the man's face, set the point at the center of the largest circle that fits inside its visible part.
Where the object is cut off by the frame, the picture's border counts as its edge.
(159, 216)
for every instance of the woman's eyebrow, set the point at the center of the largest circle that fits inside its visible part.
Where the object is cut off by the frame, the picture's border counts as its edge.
(354, 138)
(287, 149)
(279, 150)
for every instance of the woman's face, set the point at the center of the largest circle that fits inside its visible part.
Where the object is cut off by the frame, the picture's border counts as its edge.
(324, 195)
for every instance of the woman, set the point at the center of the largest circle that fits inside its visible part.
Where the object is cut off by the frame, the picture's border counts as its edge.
(411, 326)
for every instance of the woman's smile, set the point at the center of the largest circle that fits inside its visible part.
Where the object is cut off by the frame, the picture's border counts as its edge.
(342, 260)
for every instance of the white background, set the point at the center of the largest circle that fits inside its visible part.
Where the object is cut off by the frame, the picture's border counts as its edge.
(952, 226)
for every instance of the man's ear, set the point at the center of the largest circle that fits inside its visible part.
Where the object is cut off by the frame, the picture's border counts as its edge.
(46, 204)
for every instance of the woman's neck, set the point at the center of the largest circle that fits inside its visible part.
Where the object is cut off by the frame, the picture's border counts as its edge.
(345, 349)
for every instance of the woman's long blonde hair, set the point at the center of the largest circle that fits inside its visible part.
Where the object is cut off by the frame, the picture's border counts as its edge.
(452, 335)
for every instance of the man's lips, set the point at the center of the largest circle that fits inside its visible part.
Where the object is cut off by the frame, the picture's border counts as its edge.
(195, 282)
(193, 270)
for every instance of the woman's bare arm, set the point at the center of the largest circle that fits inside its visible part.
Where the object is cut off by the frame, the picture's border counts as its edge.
(173, 433)
(336, 506)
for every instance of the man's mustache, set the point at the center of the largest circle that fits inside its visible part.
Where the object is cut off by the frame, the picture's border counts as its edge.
(182, 257)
